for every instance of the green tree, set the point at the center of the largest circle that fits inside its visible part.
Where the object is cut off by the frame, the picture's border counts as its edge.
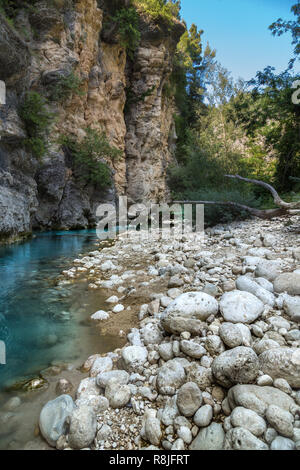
(277, 118)
(127, 20)
(188, 82)
(160, 9)
(281, 26)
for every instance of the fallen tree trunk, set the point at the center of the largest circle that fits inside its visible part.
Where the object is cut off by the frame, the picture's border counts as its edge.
(283, 208)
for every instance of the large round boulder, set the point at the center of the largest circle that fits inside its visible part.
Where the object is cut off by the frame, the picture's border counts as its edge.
(240, 307)
(189, 399)
(134, 357)
(83, 427)
(283, 363)
(170, 377)
(188, 311)
(248, 419)
(247, 284)
(268, 269)
(101, 364)
(210, 438)
(288, 282)
(256, 398)
(238, 365)
(118, 395)
(121, 376)
(53, 418)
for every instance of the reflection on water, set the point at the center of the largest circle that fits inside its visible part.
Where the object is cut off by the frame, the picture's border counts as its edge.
(41, 322)
(38, 320)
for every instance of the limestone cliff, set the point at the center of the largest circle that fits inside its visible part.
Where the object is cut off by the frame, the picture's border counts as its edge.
(47, 42)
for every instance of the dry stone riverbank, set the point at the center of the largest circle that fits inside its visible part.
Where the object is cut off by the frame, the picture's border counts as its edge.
(213, 353)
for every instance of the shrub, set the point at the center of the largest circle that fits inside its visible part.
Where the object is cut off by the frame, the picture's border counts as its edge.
(10, 8)
(127, 20)
(66, 86)
(160, 9)
(37, 120)
(87, 156)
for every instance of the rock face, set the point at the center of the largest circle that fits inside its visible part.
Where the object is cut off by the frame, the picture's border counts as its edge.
(282, 363)
(146, 144)
(53, 418)
(188, 311)
(71, 37)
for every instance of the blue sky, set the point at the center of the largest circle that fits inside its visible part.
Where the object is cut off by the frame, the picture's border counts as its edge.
(238, 30)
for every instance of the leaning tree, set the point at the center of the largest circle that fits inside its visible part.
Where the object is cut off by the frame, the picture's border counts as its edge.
(283, 208)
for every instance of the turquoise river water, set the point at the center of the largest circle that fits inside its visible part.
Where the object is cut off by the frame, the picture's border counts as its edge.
(42, 322)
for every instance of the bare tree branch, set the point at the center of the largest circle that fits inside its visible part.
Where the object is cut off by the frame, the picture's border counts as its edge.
(284, 208)
(262, 214)
(277, 199)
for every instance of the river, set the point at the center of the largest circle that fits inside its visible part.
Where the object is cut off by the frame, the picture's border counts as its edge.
(42, 322)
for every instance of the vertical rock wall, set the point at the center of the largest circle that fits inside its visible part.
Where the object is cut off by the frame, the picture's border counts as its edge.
(48, 42)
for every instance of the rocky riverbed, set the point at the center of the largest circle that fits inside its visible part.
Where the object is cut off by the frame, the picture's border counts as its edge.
(213, 354)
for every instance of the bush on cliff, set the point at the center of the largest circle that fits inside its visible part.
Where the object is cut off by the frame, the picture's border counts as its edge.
(37, 119)
(90, 157)
(66, 86)
(127, 20)
(160, 9)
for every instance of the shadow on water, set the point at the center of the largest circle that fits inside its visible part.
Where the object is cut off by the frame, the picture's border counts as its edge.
(40, 321)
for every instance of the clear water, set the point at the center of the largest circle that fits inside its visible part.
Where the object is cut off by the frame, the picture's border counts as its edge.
(43, 323)
(39, 321)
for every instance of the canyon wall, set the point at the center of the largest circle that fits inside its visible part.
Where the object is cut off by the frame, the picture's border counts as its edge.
(46, 43)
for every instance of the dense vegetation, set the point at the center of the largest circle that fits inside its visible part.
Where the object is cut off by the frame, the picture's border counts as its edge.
(65, 87)
(233, 127)
(127, 20)
(90, 156)
(37, 119)
(160, 9)
(222, 126)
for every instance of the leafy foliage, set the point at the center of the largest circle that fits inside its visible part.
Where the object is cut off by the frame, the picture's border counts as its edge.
(66, 86)
(160, 9)
(90, 156)
(233, 127)
(188, 84)
(37, 119)
(271, 113)
(10, 8)
(127, 20)
(280, 27)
